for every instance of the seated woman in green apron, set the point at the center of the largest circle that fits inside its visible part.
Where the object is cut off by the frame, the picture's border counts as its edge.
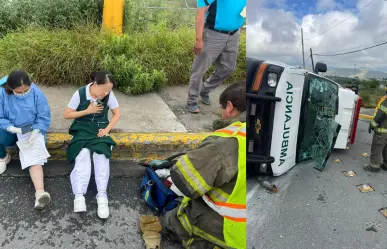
(89, 107)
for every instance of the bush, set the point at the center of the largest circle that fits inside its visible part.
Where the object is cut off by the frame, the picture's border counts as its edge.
(168, 51)
(137, 18)
(132, 77)
(141, 62)
(62, 57)
(19, 14)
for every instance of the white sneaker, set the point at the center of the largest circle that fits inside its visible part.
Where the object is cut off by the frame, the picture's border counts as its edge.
(79, 204)
(3, 163)
(42, 199)
(103, 207)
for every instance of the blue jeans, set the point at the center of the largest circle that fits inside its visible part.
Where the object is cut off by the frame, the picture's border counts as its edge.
(6, 140)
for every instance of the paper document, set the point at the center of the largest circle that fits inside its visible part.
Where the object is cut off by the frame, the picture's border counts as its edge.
(243, 13)
(34, 153)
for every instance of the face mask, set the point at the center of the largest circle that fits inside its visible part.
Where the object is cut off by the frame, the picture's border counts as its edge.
(22, 94)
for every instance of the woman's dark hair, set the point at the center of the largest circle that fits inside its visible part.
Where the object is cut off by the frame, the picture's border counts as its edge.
(236, 94)
(17, 79)
(103, 77)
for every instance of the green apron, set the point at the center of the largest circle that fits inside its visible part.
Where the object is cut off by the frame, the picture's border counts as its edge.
(85, 130)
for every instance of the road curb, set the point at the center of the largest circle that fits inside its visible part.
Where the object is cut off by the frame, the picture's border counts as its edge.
(365, 117)
(132, 146)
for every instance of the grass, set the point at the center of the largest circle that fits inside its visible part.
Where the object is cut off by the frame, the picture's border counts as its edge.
(59, 42)
(371, 97)
(140, 62)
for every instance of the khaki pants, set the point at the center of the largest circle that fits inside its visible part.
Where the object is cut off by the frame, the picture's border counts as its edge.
(378, 148)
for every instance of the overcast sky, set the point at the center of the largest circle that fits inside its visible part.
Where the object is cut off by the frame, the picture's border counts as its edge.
(273, 31)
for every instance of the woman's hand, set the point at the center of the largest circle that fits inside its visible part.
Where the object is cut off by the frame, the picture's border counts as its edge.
(103, 132)
(14, 130)
(93, 108)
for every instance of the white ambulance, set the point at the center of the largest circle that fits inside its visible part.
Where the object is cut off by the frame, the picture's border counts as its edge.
(294, 115)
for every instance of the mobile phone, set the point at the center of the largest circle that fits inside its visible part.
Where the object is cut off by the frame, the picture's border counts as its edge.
(27, 128)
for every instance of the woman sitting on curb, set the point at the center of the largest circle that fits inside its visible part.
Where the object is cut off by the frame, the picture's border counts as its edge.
(23, 105)
(89, 107)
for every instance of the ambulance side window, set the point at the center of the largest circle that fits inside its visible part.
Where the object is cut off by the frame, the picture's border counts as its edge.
(323, 96)
(319, 126)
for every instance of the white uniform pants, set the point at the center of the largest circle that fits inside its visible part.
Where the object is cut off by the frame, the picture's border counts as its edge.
(80, 176)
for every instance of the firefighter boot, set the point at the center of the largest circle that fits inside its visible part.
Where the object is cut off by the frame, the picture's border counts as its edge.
(371, 168)
(151, 227)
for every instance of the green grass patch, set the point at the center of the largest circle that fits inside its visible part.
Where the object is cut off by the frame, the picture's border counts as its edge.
(371, 97)
(20, 14)
(141, 61)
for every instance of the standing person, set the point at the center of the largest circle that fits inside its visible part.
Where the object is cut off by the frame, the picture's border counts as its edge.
(89, 108)
(217, 40)
(379, 141)
(356, 88)
(213, 179)
(22, 104)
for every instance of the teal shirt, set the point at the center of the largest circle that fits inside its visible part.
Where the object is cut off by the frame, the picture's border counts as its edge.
(223, 15)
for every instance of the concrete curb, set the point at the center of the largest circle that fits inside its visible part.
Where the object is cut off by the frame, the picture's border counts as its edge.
(365, 117)
(132, 146)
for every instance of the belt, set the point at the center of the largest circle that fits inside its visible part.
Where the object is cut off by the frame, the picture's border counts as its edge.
(224, 32)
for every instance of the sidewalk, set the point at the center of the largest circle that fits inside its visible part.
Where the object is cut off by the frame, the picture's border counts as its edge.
(152, 112)
(153, 125)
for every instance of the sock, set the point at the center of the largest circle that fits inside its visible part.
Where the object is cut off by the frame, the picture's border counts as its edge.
(40, 192)
(102, 194)
(78, 195)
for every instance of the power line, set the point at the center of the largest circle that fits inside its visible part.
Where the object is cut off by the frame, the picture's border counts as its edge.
(341, 21)
(354, 51)
(352, 48)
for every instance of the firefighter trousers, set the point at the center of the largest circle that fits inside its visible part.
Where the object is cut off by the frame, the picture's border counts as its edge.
(173, 229)
(378, 149)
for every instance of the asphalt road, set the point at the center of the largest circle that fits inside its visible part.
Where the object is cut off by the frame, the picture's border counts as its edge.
(58, 226)
(325, 209)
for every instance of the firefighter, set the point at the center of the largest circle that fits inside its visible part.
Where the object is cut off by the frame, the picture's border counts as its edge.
(213, 179)
(379, 142)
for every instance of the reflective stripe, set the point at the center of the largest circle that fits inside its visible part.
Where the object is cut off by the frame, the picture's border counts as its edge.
(374, 124)
(210, 238)
(378, 105)
(381, 130)
(191, 175)
(187, 243)
(218, 195)
(183, 217)
(195, 230)
(227, 210)
(232, 130)
(383, 108)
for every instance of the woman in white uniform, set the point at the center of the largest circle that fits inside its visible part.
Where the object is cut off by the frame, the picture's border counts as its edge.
(89, 108)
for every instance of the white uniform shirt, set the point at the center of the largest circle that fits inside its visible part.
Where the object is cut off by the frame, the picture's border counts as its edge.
(76, 99)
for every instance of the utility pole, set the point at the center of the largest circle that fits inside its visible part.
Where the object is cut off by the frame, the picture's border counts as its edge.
(355, 70)
(302, 41)
(311, 57)
(113, 15)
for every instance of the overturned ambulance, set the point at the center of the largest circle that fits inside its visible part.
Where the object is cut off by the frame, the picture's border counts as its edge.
(294, 115)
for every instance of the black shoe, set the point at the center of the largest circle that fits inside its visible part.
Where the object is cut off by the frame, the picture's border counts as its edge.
(383, 166)
(371, 169)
